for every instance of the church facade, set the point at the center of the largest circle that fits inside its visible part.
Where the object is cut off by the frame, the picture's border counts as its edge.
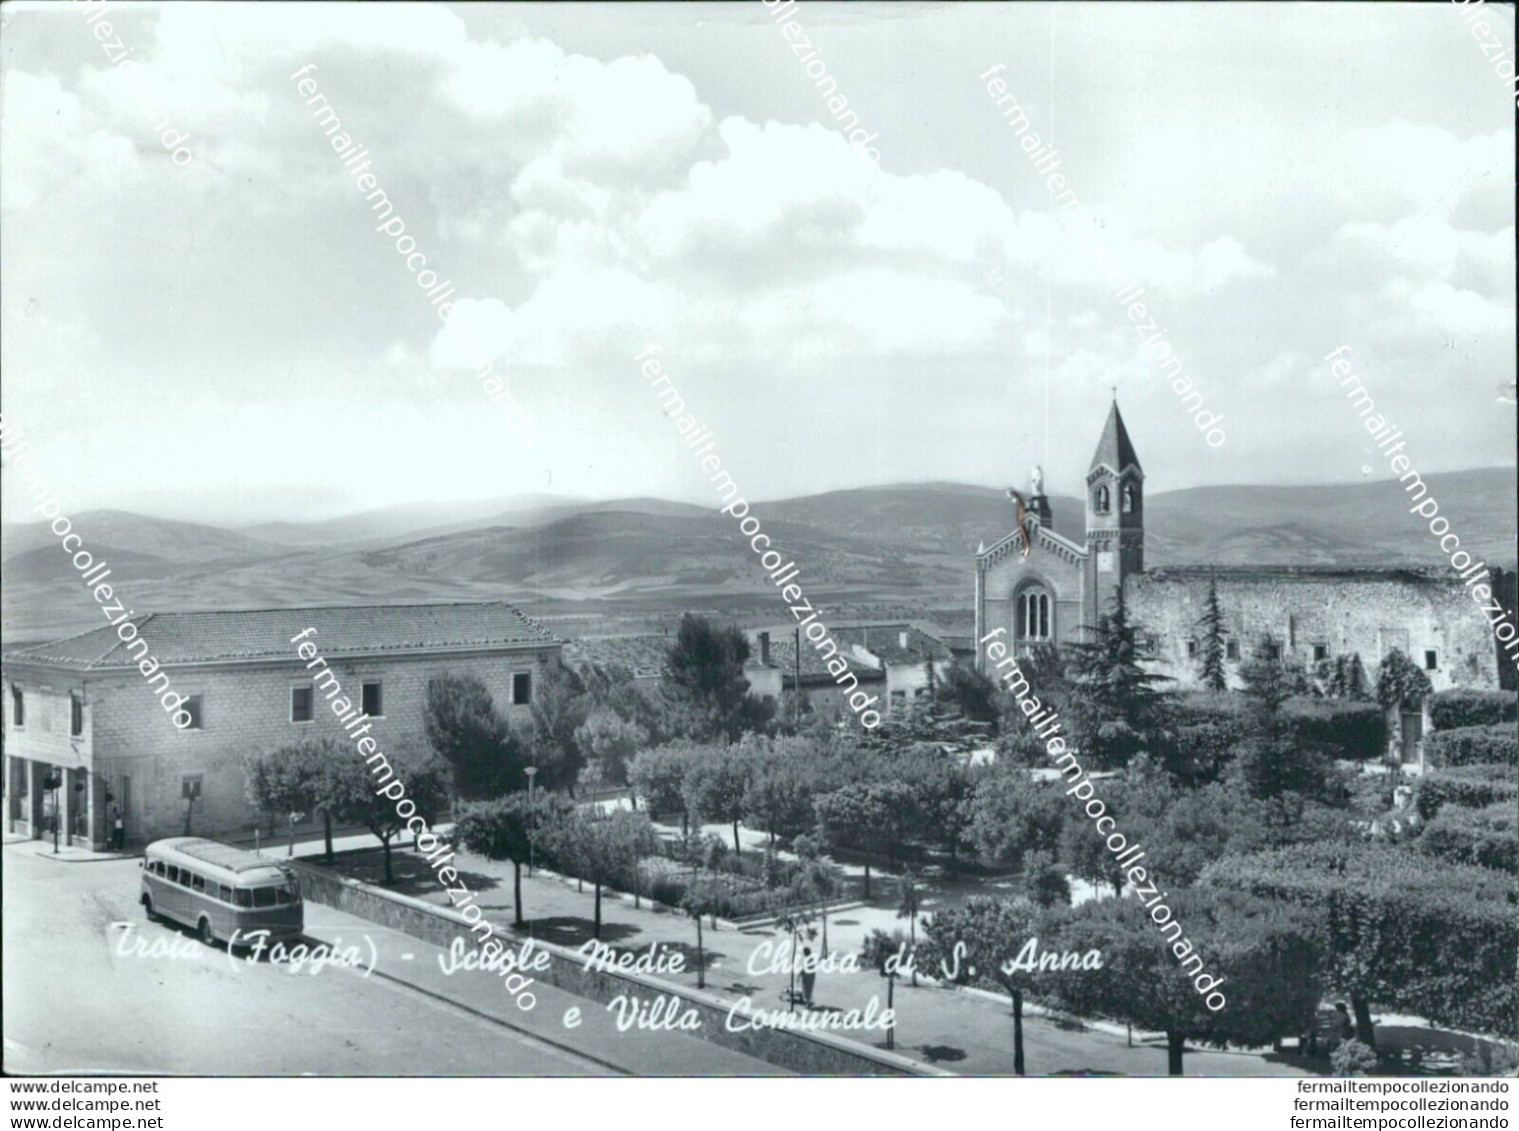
(1048, 593)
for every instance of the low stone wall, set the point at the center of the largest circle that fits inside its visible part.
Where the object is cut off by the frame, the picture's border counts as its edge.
(813, 1054)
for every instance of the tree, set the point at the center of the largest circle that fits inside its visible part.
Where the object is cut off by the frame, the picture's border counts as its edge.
(1012, 815)
(1268, 683)
(1044, 880)
(908, 905)
(974, 693)
(608, 743)
(704, 896)
(1212, 645)
(706, 694)
(872, 816)
(559, 709)
(464, 728)
(1119, 708)
(715, 786)
(503, 829)
(1341, 677)
(659, 776)
(979, 944)
(292, 779)
(1257, 956)
(1401, 682)
(1273, 762)
(349, 791)
(778, 798)
(1414, 935)
(600, 846)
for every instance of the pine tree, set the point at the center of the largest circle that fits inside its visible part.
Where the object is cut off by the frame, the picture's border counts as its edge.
(1119, 706)
(1212, 625)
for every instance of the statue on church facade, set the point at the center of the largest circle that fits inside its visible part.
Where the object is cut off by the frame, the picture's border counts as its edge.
(1036, 480)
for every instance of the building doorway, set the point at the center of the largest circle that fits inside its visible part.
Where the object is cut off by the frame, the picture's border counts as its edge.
(1411, 731)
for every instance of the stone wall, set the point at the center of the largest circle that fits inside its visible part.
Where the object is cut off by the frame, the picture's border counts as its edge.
(814, 1054)
(1364, 611)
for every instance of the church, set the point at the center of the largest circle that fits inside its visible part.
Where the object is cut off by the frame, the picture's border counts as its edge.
(1047, 593)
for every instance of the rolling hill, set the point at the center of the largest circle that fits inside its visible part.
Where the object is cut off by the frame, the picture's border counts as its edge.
(907, 547)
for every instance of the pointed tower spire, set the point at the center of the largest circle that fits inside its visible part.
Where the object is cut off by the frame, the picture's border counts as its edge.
(1114, 451)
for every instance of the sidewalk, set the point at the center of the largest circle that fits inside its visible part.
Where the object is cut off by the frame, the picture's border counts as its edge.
(415, 964)
(948, 1029)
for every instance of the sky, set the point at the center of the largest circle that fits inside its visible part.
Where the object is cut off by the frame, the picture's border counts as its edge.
(229, 338)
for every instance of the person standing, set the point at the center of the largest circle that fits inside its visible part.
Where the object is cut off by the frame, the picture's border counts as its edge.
(809, 968)
(118, 828)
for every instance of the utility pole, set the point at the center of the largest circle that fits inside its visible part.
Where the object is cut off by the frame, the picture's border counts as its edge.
(796, 681)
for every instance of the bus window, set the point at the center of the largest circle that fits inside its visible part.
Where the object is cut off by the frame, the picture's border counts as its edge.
(263, 897)
(224, 893)
(184, 877)
(174, 873)
(198, 883)
(243, 897)
(158, 867)
(282, 896)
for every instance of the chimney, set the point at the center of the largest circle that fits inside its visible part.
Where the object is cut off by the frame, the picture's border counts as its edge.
(764, 648)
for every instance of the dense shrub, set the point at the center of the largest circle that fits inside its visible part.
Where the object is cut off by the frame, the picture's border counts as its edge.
(1462, 707)
(1475, 787)
(1352, 1058)
(1404, 931)
(1340, 727)
(1201, 752)
(1486, 837)
(1470, 746)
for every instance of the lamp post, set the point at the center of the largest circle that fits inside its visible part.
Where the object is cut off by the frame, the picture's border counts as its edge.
(532, 816)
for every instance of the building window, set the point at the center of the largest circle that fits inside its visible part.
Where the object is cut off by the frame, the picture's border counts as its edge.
(1320, 652)
(1033, 615)
(1231, 649)
(1271, 652)
(522, 688)
(76, 714)
(18, 707)
(192, 708)
(1191, 648)
(1130, 498)
(898, 699)
(1102, 501)
(370, 701)
(1431, 660)
(189, 786)
(300, 704)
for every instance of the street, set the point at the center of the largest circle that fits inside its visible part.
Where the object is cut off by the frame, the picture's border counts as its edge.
(169, 1005)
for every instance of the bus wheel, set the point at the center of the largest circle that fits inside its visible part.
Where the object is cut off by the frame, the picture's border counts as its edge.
(147, 908)
(207, 935)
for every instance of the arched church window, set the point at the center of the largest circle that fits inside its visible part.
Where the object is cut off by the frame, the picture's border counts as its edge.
(1033, 616)
(1101, 501)
(1130, 498)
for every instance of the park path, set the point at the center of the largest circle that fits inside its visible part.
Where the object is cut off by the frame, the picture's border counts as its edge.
(964, 1032)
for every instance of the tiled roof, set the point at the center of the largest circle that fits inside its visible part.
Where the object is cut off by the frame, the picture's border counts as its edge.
(252, 635)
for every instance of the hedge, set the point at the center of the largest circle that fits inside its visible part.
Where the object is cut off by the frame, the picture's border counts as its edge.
(1463, 707)
(1351, 729)
(1404, 931)
(1471, 746)
(1485, 837)
(1475, 787)
(1354, 730)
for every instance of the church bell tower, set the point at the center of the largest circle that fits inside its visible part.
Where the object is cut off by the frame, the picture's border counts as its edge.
(1114, 516)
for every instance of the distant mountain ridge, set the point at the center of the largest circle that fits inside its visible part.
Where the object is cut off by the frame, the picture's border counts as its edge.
(910, 545)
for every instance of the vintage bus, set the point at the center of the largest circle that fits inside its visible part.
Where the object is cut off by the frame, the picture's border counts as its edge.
(221, 892)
